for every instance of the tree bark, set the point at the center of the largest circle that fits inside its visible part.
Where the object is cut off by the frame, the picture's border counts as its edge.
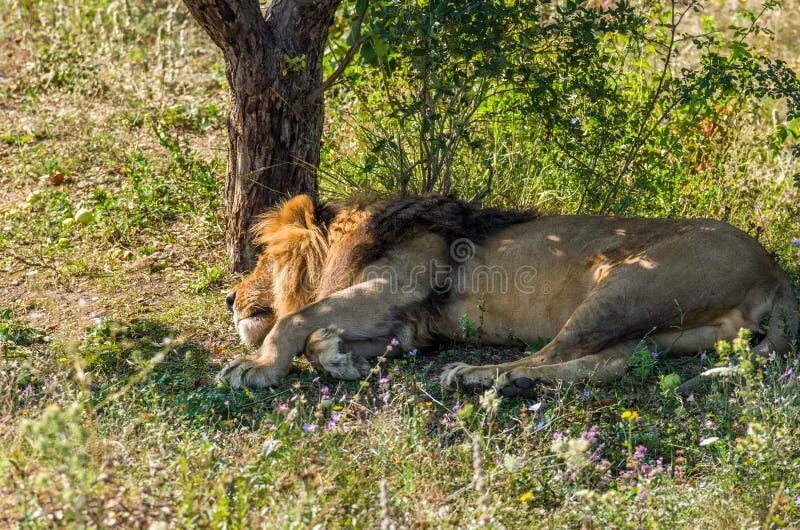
(274, 66)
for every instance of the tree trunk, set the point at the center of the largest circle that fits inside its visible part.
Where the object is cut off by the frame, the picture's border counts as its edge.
(273, 66)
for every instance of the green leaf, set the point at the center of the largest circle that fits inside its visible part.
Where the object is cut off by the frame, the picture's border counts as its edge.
(379, 47)
(367, 53)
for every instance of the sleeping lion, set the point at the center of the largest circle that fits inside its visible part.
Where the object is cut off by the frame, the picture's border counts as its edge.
(339, 282)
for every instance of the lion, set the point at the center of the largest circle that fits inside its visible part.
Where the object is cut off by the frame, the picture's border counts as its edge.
(337, 282)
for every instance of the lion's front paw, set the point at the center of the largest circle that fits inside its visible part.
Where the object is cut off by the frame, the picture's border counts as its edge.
(249, 372)
(461, 376)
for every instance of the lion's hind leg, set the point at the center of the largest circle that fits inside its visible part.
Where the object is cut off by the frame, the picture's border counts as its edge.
(522, 378)
(607, 365)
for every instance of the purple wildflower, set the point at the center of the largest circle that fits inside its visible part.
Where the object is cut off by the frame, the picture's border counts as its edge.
(654, 354)
(283, 407)
(383, 380)
(649, 471)
(293, 398)
(558, 436)
(796, 242)
(315, 380)
(331, 423)
(586, 394)
(394, 342)
(456, 408)
(788, 373)
(324, 391)
(639, 453)
(797, 501)
(309, 427)
(590, 435)
(413, 352)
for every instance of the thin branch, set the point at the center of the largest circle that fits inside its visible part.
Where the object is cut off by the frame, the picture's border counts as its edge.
(343, 64)
(641, 138)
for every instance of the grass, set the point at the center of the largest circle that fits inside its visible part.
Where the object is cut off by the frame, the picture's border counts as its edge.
(112, 326)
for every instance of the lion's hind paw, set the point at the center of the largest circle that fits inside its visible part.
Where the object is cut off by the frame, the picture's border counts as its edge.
(509, 385)
(462, 376)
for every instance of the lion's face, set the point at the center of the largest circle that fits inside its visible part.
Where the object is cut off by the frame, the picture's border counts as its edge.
(287, 273)
(252, 303)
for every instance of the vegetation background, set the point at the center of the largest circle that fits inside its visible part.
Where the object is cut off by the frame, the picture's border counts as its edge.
(112, 322)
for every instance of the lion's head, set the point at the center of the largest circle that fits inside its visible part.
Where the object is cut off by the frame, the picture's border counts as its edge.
(252, 303)
(287, 273)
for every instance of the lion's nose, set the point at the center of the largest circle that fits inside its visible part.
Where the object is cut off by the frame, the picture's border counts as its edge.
(229, 301)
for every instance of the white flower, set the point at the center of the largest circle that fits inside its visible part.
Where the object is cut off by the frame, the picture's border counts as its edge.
(708, 441)
(269, 447)
(512, 463)
(722, 371)
(489, 400)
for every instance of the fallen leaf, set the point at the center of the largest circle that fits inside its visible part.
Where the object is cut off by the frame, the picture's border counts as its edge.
(56, 178)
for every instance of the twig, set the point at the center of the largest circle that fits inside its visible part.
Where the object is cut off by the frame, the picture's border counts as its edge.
(386, 522)
(479, 481)
(640, 137)
(343, 64)
(774, 505)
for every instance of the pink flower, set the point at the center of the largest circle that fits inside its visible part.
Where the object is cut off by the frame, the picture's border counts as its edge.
(309, 427)
(639, 453)
(331, 423)
(590, 435)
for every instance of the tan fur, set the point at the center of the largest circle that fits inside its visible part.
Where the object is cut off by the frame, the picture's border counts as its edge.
(595, 285)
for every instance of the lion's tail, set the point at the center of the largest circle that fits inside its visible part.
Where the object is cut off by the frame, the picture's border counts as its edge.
(782, 329)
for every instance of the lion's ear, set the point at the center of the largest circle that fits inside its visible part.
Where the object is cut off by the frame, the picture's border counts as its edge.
(286, 223)
(298, 211)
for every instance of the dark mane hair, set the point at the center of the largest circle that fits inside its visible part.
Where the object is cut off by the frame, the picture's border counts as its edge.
(403, 219)
(393, 221)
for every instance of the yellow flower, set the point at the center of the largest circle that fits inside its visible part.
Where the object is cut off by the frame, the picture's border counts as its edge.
(629, 415)
(525, 497)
